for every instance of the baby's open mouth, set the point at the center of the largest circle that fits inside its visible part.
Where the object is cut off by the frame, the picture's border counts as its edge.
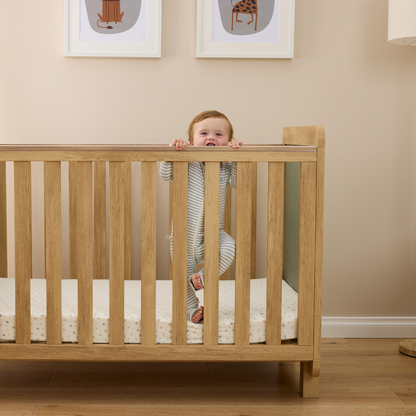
(210, 144)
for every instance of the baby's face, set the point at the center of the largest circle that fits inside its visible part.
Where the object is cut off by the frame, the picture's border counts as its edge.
(211, 132)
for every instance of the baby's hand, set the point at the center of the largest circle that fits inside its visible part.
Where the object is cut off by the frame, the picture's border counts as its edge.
(179, 144)
(235, 145)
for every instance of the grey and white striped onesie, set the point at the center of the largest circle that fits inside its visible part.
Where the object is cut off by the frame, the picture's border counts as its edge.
(196, 216)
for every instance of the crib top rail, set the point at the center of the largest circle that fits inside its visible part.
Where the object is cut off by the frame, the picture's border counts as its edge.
(155, 153)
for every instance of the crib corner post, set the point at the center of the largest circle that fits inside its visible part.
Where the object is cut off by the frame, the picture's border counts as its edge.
(309, 378)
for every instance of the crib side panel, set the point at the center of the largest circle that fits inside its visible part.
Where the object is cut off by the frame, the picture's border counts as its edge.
(3, 221)
(53, 256)
(23, 251)
(148, 250)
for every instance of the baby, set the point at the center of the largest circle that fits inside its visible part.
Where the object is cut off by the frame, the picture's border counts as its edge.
(210, 128)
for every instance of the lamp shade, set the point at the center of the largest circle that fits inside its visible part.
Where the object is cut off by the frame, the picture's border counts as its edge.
(402, 22)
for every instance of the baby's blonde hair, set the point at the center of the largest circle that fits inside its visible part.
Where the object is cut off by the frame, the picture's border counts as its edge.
(209, 114)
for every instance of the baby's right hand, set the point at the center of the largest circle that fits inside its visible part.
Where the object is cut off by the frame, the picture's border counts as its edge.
(179, 144)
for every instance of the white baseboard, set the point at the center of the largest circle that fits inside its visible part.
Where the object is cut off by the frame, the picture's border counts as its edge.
(361, 327)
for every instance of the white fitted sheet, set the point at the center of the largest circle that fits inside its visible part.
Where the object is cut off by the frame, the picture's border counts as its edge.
(132, 311)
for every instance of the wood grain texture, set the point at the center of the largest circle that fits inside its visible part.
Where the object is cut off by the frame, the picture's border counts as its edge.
(275, 251)
(306, 295)
(148, 250)
(23, 250)
(304, 136)
(72, 184)
(53, 251)
(200, 154)
(253, 220)
(116, 252)
(319, 238)
(3, 221)
(212, 253)
(372, 379)
(156, 353)
(84, 250)
(243, 254)
(100, 221)
(127, 221)
(17, 410)
(309, 386)
(180, 251)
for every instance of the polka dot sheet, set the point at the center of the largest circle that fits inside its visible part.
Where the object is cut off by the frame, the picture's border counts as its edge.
(132, 312)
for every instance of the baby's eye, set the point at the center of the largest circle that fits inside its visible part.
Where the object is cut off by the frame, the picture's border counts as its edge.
(219, 134)
(203, 133)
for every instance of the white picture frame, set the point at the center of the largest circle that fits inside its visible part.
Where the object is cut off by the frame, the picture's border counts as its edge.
(275, 41)
(147, 45)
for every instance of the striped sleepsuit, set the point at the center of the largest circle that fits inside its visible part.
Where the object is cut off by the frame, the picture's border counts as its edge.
(196, 216)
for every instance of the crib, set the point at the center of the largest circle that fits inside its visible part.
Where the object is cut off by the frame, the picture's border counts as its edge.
(299, 159)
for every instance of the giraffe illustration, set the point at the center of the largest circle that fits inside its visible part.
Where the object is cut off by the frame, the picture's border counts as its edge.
(111, 13)
(245, 7)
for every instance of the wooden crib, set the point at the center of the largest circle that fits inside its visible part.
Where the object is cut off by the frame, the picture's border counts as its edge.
(87, 192)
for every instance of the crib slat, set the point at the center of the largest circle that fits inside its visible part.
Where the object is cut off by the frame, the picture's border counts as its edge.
(275, 239)
(100, 260)
(180, 245)
(306, 253)
(253, 218)
(116, 262)
(84, 251)
(127, 221)
(243, 254)
(148, 248)
(211, 261)
(3, 221)
(53, 272)
(23, 251)
(73, 182)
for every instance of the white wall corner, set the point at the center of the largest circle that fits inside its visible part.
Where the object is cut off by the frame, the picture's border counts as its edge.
(369, 327)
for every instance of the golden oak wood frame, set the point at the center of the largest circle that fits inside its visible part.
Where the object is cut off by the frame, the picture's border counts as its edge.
(88, 252)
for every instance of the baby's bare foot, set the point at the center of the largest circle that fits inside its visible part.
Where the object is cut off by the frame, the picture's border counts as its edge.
(196, 281)
(198, 315)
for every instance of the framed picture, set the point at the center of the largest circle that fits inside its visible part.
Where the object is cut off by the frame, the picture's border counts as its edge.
(245, 28)
(113, 28)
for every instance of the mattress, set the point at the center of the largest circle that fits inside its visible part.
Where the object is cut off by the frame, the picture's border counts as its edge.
(132, 311)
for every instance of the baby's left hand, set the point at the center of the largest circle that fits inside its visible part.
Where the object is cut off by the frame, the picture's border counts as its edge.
(235, 145)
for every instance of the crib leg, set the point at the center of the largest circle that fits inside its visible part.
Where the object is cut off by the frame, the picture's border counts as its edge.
(309, 379)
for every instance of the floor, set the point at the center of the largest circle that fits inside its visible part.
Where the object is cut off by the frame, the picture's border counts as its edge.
(358, 377)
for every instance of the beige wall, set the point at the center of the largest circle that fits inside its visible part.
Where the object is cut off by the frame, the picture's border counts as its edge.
(344, 75)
